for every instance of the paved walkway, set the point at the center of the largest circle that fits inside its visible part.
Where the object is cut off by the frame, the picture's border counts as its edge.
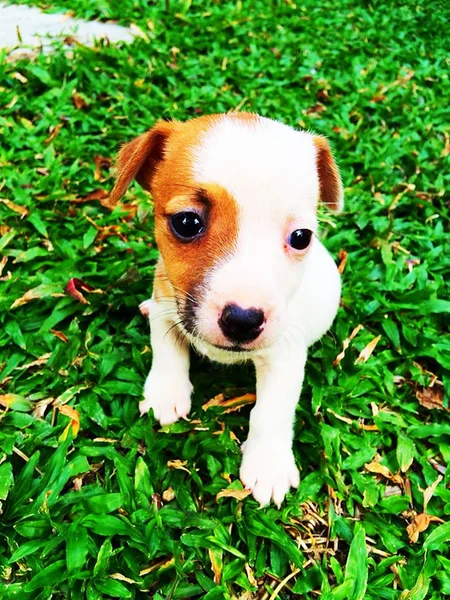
(24, 26)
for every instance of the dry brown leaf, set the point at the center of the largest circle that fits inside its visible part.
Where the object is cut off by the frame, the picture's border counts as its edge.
(33, 294)
(340, 417)
(121, 577)
(53, 133)
(237, 494)
(446, 149)
(19, 77)
(3, 263)
(168, 495)
(419, 524)
(431, 397)
(368, 427)
(36, 363)
(217, 400)
(429, 492)
(342, 257)
(379, 469)
(43, 171)
(41, 406)
(178, 464)
(232, 404)
(60, 335)
(159, 564)
(366, 352)
(78, 101)
(20, 210)
(250, 576)
(346, 344)
(215, 556)
(315, 109)
(99, 194)
(74, 416)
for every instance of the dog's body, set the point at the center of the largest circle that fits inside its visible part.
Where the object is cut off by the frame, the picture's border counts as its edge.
(241, 274)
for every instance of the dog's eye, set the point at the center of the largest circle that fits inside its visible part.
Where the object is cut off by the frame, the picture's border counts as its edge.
(300, 239)
(187, 225)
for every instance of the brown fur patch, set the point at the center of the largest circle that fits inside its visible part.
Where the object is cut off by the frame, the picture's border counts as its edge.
(331, 192)
(162, 288)
(162, 162)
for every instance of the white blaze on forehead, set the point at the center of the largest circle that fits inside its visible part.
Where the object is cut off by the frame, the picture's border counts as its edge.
(270, 171)
(269, 168)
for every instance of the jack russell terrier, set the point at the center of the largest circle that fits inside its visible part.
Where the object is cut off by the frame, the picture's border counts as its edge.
(242, 274)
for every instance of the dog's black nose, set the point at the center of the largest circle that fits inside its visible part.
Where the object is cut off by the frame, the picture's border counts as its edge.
(241, 324)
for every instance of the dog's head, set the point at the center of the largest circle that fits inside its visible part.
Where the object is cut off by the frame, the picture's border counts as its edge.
(235, 200)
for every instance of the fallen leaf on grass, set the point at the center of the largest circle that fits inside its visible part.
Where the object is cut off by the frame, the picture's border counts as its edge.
(366, 352)
(340, 417)
(78, 101)
(159, 564)
(3, 263)
(429, 492)
(168, 495)
(99, 194)
(216, 558)
(121, 577)
(419, 524)
(237, 494)
(342, 257)
(35, 363)
(60, 335)
(431, 397)
(74, 416)
(346, 344)
(41, 291)
(232, 404)
(71, 289)
(20, 210)
(41, 407)
(178, 464)
(379, 469)
(53, 133)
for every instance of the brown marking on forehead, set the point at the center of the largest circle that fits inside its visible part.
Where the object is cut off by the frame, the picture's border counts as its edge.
(162, 161)
(175, 189)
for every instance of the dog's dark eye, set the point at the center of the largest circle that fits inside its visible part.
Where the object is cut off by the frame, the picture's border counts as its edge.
(300, 239)
(187, 225)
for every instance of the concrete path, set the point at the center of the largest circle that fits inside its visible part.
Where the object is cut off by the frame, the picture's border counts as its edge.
(23, 27)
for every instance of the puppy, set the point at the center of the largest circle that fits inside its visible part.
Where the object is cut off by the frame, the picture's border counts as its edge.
(242, 274)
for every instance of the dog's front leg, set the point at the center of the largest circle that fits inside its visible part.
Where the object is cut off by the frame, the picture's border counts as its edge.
(268, 466)
(167, 389)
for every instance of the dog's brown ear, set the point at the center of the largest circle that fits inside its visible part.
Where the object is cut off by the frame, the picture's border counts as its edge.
(139, 158)
(331, 189)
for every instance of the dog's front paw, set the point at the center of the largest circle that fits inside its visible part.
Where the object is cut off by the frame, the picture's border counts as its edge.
(167, 395)
(268, 470)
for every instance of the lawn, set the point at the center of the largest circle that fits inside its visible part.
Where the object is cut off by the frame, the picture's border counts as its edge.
(97, 502)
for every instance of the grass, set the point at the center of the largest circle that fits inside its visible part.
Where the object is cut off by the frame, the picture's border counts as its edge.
(99, 503)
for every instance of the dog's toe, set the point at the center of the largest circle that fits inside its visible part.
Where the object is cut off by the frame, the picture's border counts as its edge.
(268, 472)
(170, 399)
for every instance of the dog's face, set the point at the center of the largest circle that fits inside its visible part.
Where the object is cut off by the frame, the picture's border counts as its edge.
(235, 218)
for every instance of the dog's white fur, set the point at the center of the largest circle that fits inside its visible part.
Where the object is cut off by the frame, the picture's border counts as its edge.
(270, 170)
